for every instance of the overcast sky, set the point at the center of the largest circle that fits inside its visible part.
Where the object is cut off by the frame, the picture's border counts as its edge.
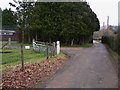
(102, 8)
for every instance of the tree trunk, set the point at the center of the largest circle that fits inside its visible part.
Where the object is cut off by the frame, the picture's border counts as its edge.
(36, 37)
(50, 40)
(29, 38)
(22, 51)
(72, 42)
(83, 40)
(23, 37)
(66, 42)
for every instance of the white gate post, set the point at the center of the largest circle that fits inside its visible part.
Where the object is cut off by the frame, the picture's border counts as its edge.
(58, 47)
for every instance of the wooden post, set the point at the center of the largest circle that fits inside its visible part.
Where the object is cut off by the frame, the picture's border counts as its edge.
(51, 52)
(53, 48)
(47, 56)
(9, 40)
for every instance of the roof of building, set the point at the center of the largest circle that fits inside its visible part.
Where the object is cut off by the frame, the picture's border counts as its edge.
(10, 31)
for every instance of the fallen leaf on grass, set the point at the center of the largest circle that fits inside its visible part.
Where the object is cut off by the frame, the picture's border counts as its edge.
(31, 74)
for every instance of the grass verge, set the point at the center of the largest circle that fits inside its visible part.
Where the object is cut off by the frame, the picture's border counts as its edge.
(33, 74)
(114, 55)
(12, 58)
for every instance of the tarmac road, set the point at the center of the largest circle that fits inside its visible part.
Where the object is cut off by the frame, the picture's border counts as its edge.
(87, 68)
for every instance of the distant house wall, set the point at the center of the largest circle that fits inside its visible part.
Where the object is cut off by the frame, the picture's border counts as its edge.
(6, 34)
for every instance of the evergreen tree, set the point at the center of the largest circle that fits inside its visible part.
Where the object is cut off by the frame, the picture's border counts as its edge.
(8, 19)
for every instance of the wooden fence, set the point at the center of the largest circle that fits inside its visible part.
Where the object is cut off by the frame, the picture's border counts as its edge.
(50, 49)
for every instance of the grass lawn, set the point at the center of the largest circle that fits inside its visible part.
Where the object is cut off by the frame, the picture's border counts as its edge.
(12, 57)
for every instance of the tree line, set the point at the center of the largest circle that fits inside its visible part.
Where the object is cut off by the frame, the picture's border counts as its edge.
(70, 23)
(8, 19)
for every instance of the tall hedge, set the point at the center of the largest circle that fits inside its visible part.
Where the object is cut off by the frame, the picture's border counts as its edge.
(111, 42)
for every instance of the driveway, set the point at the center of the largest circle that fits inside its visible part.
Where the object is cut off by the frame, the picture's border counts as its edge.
(87, 68)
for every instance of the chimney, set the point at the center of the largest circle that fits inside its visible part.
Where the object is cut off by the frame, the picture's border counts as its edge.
(107, 22)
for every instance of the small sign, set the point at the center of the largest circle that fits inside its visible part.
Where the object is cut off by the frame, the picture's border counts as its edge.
(27, 47)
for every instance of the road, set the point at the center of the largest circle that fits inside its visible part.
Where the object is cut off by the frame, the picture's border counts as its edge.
(87, 68)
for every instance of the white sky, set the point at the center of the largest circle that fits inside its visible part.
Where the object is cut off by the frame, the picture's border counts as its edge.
(102, 8)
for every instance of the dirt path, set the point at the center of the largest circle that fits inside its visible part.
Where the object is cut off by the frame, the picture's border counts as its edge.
(88, 68)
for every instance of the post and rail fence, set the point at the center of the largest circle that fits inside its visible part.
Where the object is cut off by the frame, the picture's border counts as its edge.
(50, 49)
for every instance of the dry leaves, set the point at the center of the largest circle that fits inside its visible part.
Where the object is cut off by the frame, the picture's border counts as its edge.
(32, 74)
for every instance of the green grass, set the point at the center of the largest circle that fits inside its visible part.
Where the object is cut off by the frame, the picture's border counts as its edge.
(13, 57)
(86, 45)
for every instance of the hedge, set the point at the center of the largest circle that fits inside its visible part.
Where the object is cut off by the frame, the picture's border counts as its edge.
(111, 42)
